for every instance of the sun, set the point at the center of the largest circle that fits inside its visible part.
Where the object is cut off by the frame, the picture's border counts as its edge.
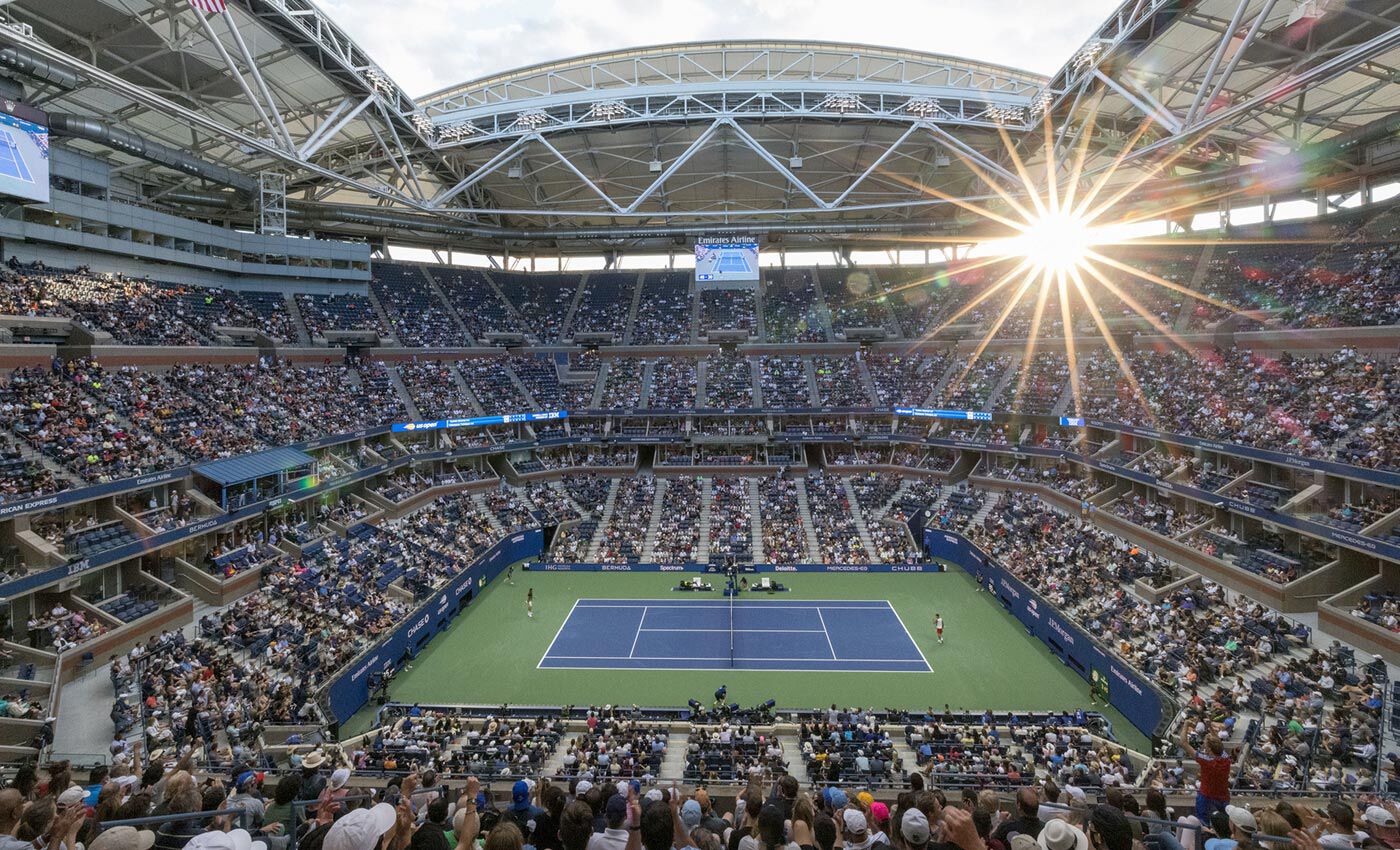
(1058, 240)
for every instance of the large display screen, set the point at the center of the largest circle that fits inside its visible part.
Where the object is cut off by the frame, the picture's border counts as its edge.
(718, 262)
(24, 159)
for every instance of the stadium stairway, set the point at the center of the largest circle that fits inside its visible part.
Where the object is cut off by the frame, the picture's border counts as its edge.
(382, 314)
(867, 381)
(604, 518)
(294, 312)
(792, 754)
(632, 308)
(702, 373)
(1202, 271)
(520, 386)
(396, 381)
(596, 400)
(804, 513)
(447, 305)
(658, 499)
(647, 369)
(809, 369)
(479, 501)
(858, 516)
(954, 366)
(566, 330)
(707, 499)
(756, 521)
(1002, 383)
(466, 391)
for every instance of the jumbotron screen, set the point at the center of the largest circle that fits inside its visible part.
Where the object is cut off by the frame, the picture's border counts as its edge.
(718, 262)
(24, 154)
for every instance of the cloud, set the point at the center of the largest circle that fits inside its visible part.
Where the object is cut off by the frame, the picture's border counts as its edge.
(427, 45)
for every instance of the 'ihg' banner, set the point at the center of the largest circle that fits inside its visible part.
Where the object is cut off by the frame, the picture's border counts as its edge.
(1145, 706)
(349, 692)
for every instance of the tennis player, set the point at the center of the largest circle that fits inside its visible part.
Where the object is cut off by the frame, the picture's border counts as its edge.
(530, 603)
(938, 626)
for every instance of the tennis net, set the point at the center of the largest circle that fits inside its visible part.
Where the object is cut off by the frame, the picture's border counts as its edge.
(733, 590)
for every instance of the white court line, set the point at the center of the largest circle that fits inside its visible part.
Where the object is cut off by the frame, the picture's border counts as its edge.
(829, 644)
(726, 659)
(745, 631)
(910, 636)
(638, 635)
(798, 605)
(846, 667)
(556, 636)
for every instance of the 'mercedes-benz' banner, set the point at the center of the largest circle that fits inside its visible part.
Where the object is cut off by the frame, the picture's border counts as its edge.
(1141, 702)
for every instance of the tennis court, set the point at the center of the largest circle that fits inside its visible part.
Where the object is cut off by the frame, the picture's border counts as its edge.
(722, 634)
(11, 160)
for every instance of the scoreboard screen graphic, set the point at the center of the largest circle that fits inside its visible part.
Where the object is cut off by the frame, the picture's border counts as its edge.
(719, 262)
(24, 158)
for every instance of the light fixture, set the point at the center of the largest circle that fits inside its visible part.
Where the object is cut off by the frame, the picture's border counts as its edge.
(608, 110)
(922, 106)
(423, 124)
(532, 119)
(1003, 114)
(839, 103)
(457, 132)
(378, 80)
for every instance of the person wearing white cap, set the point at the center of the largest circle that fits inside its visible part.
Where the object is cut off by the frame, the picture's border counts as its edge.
(855, 832)
(367, 829)
(914, 829)
(1380, 823)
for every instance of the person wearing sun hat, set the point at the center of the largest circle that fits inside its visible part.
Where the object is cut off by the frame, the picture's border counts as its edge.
(123, 838)
(1060, 834)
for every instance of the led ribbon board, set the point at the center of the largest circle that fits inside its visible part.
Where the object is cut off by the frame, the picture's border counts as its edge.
(973, 415)
(478, 421)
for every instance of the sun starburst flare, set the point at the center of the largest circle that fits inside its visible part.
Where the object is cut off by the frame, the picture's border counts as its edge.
(1056, 226)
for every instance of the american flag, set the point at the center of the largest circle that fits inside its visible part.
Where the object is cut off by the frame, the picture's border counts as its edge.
(215, 6)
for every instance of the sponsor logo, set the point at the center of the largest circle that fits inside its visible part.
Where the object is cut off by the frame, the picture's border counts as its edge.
(784, 568)
(418, 626)
(79, 566)
(364, 668)
(671, 568)
(28, 506)
(907, 568)
(617, 568)
(1066, 637)
(848, 568)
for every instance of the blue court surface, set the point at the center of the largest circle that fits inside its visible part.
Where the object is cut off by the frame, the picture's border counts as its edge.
(695, 634)
(11, 161)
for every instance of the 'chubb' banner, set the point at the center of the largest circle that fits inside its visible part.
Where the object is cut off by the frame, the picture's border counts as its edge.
(349, 692)
(1145, 706)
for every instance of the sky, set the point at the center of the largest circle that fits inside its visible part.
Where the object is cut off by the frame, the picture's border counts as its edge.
(426, 45)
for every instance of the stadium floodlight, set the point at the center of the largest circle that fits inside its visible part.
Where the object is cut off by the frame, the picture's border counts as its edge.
(378, 80)
(532, 119)
(423, 124)
(457, 132)
(1087, 55)
(1041, 103)
(608, 110)
(923, 106)
(839, 103)
(1006, 114)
